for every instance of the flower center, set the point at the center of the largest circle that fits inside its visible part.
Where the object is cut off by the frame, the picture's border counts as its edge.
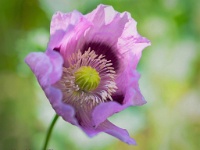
(87, 78)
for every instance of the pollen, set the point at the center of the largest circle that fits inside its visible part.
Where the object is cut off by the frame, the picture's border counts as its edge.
(87, 78)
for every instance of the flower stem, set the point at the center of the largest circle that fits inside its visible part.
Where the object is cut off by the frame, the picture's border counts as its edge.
(50, 131)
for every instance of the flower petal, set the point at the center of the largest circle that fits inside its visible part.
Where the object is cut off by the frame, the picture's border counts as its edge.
(56, 62)
(62, 21)
(46, 67)
(131, 49)
(86, 124)
(128, 85)
(65, 111)
(84, 118)
(130, 88)
(65, 29)
(117, 132)
(55, 40)
(108, 25)
(48, 70)
(131, 42)
(108, 108)
(102, 15)
(74, 37)
(41, 66)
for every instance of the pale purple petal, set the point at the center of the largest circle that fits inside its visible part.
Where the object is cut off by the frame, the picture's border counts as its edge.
(131, 49)
(84, 117)
(65, 111)
(62, 21)
(108, 25)
(74, 38)
(130, 29)
(127, 83)
(55, 40)
(102, 15)
(46, 67)
(108, 108)
(131, 43)
(41, 66)
(48, 70)
(86, 124)
(66, 29)
(117, 132)
(56, 62)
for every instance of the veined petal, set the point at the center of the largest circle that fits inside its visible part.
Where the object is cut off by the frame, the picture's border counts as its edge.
(47, 67)
(56, 62)
(102, 15)
(128, 86)
(84, 118)
(117, 132)
(108, 25)
(109, 108)
(41, 66)
(72, 40)
(131, 43)
(61, 21)
(65, 29)
(48, 70)
(65, 111)
(86, 124)
(131, 49)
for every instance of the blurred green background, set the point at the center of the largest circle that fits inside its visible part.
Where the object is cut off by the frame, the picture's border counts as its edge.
(170, 77)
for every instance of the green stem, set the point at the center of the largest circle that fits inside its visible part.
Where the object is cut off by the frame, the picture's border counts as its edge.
(49, 132)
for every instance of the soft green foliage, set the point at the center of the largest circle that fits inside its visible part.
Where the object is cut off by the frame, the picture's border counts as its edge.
(170, 79)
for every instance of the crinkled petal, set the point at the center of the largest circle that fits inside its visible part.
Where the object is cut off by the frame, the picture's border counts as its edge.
(66, 29)
(87, 125)
(85, 121)
(56, 62)
(55, 40)
(102, 15)
(41, 66)
(129, 87)
(74, 37)
(131, 49)
(62, 21)
(108, 25)
(130, 29)
(48, 70)
(65, 111)
(130, 46)
(108, 108)
(46, 67)
(131, 43)
(117, 132)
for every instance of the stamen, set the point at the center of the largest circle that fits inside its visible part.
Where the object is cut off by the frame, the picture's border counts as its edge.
(89, 79)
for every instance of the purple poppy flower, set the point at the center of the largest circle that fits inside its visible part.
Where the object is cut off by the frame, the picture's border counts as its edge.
(88, 71)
